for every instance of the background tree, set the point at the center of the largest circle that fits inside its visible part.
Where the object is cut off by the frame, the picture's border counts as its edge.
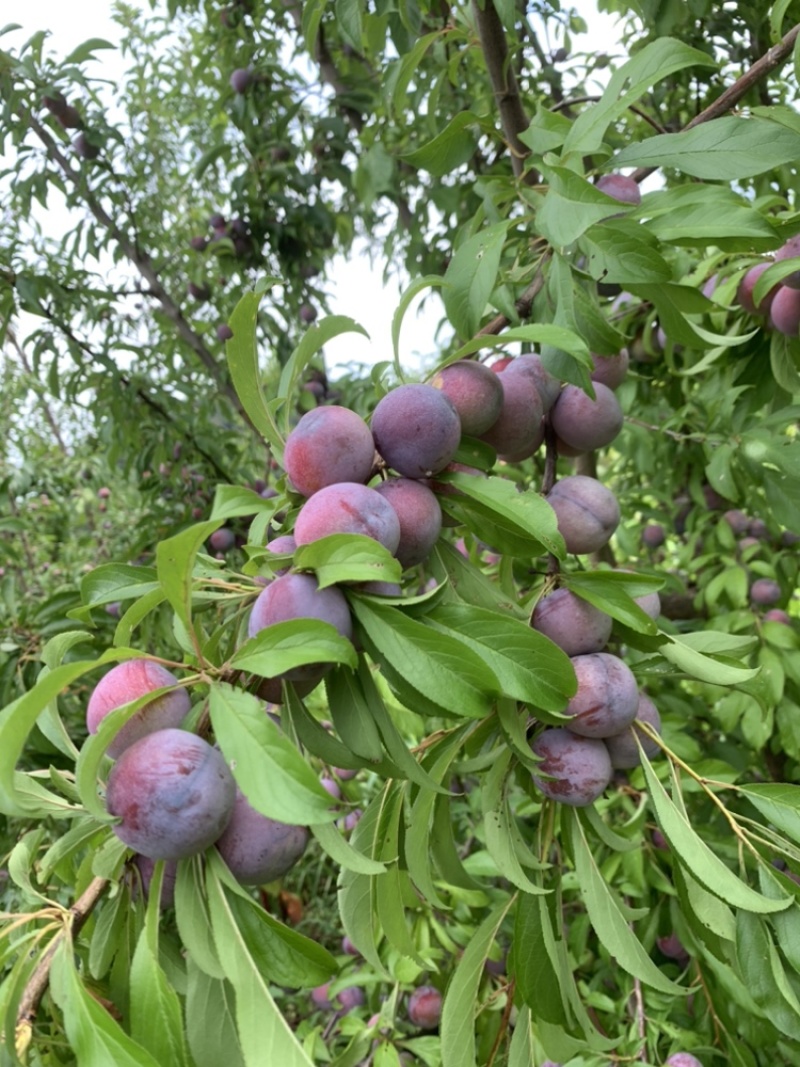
(652, 916)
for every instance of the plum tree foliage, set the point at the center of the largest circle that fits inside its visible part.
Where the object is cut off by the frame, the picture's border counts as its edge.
(524, 618)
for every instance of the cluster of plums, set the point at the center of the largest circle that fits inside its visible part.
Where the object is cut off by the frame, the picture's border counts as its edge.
(781, 304)
(172, 792)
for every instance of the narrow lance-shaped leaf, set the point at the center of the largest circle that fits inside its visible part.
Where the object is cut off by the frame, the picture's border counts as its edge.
(242, 354)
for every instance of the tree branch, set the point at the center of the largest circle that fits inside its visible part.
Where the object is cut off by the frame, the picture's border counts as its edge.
(523, 305)
(141, 261)
(772, 59)
(48, 414)
(40, 979)
(504, 83)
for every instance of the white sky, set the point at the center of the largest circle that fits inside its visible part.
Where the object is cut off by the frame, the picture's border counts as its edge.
(355, 288)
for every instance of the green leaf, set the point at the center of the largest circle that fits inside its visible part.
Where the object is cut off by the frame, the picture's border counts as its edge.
(96, 1039)
(430, 281)
(117, 581)
(87, 49)
(342, 852)
(242, 355)
(529, 667)
(268, 769)
(264, 1034)
(722, 149)
(436, 665)
(558, 337)
(608, 921)
(526, 514)
(192, 917)
(349, 20)
(501, 833)
(284, 646)
(231, 501)
(613, 593)
(703, 864)
(175, 560)
(458, 1009)
(624, 252)
(313, 340)
(628, 84)
(571, 206)
(682, 655)
(471, 276)
(541, 980)
(448, 150)
(764, 976)
(210, 1020)
(698, 215)
(777, 802)
(348, 558)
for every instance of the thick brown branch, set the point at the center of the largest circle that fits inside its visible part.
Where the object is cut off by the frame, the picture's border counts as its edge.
(40, 979)
(504, 83)
(141, 261)
(772, 59)
(327, 68)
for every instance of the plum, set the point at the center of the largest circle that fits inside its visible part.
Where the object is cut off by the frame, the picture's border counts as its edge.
(298, 596)
(791, 250)
(352, 996)
(280, 546)
(777, 615)
(519, 430)
(425, 1007)
(257, 849)
(328, 445)
(764, 592)
(332, 787)
(198, 244)
(530, 366)
(744, 293)
(584, 423)
(146, 867)
(607, 698)
(673, 948)
(126, 682)
(683, 1059)
(759, 529)
(85, 148)
(621, 188)
(579, 768)
(475, 392)
(622, 747)
(320, 997)
(575, 625)
(610, 371)
(173, 794)
(348, 507)
(784, 313)
(416, 429)
(224, 332)
(653, 535)
(737, 520)
(586, 511)
(198, 292)
(308, 314)
(650, 604)
(222, 540)
(241, 79)
(419, 515)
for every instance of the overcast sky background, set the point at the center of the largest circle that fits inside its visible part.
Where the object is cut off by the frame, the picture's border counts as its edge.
(355, 288)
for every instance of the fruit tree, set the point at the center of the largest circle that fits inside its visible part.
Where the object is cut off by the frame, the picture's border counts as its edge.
(440, 711)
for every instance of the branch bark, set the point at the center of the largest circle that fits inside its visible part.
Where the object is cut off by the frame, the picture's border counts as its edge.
(141, 261)
(40, 979)
(504, 83)
(772, 59)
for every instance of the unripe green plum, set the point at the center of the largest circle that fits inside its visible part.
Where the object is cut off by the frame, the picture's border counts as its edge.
(607, 696)
(622, 747)
(575, 625)
(578, 768)
(586, 511)
(416, 429)
(328, 445)
(126, 682)
(425, 1007)
(348, 507)
(258, 849)
(419, 515)
(173, 794)
(474, 392)
(584, 423)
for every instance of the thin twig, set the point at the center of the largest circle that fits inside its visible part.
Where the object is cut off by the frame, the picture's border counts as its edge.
(523, 305)
(37, 984)
(564, 104)
(772, 59)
